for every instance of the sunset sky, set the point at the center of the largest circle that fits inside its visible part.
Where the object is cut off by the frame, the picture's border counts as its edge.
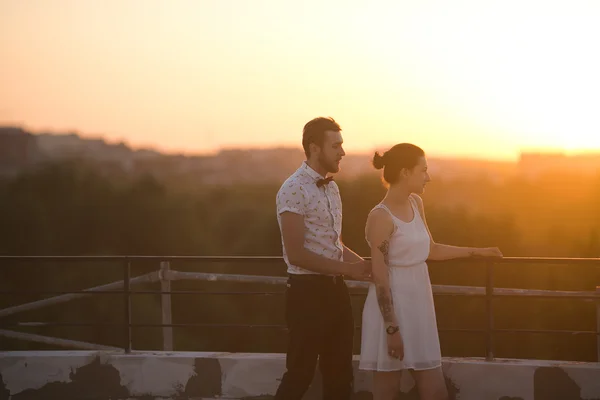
(459, 78)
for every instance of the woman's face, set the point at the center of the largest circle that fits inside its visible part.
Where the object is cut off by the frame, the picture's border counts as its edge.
(418, 177)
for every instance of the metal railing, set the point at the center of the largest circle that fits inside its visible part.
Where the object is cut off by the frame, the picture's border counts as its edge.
(164, 275)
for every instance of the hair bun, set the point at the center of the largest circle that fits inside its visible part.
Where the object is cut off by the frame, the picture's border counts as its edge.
(378, 160)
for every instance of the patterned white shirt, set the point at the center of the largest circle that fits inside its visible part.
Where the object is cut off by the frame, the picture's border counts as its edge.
(322, 211)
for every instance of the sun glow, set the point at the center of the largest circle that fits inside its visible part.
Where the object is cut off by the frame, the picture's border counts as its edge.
(531, 75)
(466, 77)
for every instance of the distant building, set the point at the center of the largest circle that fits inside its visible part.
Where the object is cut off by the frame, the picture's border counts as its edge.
(533, 164)
(18, 149)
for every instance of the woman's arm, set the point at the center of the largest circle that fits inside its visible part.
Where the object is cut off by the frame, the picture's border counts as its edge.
(379, 231)
(438, 251)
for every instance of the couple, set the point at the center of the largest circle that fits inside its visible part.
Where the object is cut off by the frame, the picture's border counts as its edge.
(399, 330)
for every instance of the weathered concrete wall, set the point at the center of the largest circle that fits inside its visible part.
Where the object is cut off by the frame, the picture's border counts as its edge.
(70, 375)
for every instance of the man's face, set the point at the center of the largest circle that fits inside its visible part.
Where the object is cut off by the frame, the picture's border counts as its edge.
(331, 153)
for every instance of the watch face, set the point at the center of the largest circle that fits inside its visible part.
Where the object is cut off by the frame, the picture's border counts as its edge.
(392, 329)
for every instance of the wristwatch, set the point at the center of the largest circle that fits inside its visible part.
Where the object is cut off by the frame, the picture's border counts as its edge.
(392, 329)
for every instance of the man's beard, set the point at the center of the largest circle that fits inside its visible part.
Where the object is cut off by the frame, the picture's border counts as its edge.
(328, 165)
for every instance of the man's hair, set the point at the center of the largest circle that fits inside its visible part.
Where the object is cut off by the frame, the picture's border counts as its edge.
(314, 132)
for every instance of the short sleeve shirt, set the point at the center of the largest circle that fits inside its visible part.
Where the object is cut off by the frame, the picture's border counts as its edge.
(322, 211)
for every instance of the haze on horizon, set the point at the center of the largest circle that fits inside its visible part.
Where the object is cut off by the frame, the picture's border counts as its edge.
(462, 78)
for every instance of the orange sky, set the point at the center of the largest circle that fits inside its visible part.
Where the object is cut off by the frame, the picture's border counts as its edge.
(457, 78)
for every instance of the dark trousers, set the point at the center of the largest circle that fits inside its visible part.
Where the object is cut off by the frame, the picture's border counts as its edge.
(321, 327)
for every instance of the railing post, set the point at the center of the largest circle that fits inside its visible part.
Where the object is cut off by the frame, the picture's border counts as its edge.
(127, 301)
(489, 292)
(598, 325)
(165, 300)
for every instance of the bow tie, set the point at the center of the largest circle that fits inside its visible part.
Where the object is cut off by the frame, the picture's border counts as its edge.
(324, 181)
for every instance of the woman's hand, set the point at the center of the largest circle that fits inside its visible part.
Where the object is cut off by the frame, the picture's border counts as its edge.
(487, 252)
(395, 346)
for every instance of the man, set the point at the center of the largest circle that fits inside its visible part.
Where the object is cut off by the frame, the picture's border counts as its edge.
(318, 308)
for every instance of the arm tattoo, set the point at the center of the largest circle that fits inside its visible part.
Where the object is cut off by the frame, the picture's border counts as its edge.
(384, 297)
(384, 249)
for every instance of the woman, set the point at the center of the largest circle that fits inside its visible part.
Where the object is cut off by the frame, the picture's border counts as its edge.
(399, 330)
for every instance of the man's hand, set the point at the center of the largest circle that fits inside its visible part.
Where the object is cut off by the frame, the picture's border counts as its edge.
(360, 271)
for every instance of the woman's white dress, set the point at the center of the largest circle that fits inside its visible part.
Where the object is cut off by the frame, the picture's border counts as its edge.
(413, 303)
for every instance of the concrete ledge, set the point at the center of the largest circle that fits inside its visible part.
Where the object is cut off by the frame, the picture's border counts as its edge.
(69, 375)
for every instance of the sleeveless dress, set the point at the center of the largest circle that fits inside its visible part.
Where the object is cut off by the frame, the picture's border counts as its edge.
(413, 303)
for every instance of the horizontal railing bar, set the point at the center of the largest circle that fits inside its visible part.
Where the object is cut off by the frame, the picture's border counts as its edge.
(453, 290)
(157, 292)
(549, 295)
(540, 331)
(146, 278)
(271, 326)
(529, 260)
(246, 259)
(544, 331)
(243, 259)
(215, 277)
(133, 325)
(439, 290)
(33, 324)
(55, 341)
